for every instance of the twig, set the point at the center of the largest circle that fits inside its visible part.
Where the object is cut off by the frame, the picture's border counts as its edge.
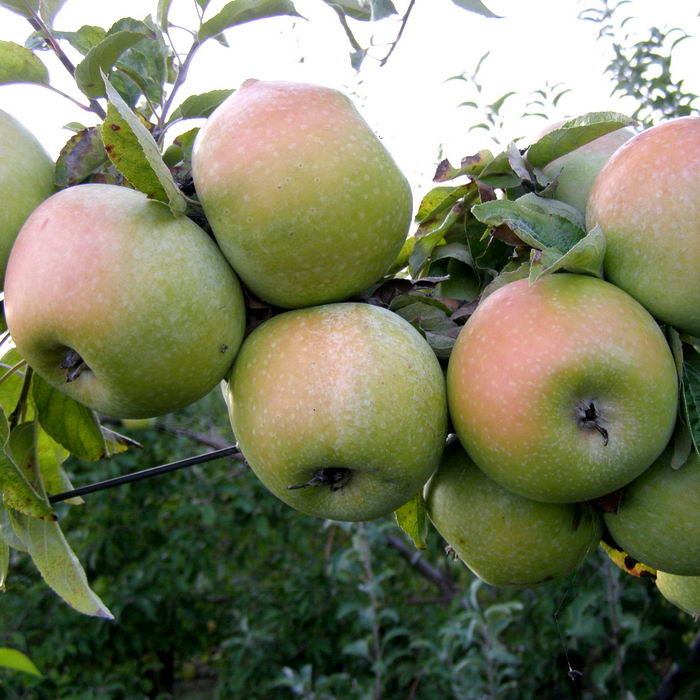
(215, 441)
(404, 19)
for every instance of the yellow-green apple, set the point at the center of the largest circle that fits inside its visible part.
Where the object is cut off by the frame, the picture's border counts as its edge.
(646, 199)
(576, 170)
(658, 519)
(505, 539)
(124, 307)
(682, 591)
(26, 180)
(563, 390)
(339, 409)
(304, 200)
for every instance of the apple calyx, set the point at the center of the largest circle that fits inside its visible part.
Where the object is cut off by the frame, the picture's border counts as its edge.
(74, 365)
(335, 478)
(589, 419)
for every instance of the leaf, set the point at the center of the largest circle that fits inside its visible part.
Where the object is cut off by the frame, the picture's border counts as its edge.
(17, 661)
(476, 6)
(240, 11)
(690, 394)
(50, 455)
(585, 258)
(4, 564)
(538, 222)
(439, 199)
(499, 173)
(412, 518)
(101, 58)
(7, 531)
(25, 8)
(357, 648)
(200, 105)
(48, 9)
(134, 152)
(425, 245)
(20, 65)
(86, 38)
(68, 422)
(574, 133)
(627, 563)
(510, 273)
(470, 166)
(162, 13)
(83, 155)
(57, 564)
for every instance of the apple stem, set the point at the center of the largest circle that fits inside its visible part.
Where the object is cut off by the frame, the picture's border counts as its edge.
(588, 419)
(73, 364)
(333, 477)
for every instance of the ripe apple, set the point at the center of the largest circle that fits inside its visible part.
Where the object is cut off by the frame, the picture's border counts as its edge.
(658, 519)
(682, 591)
(124, 307)
(505, 539)
(646, 199)
(26, 180)
(563, 390)
(304, 200)
(339, 409)
(577, 169)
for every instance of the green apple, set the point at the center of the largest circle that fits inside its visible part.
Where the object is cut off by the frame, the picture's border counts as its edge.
(646, 199)
(682, 591)
(339, 409)
(124, 307)
(563, 390)
(505, 539)
(577, 169)
(304, 200)
(658, 520)
(26, 180)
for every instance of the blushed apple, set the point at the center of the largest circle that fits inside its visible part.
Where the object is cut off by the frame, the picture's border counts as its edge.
(505, 539)
(26, 180)
(303, 198)
(563, 390)
(682, 591)
(646, 199)
(339, 409)
(124, 307)
(658, 519)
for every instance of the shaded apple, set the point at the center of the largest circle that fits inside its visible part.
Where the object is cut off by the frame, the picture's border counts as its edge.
(339, 409)
(505, 539)
(303, 198)
(563, 390)
(124, 307)
(682, 591)
(646, 199)
(26, 180)
(658, 519)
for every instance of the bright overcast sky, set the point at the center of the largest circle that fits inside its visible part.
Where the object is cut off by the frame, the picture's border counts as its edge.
(407, 102)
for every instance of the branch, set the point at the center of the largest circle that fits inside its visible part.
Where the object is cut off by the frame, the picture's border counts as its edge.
(215, 441)
(447, 586)
(677, 674)
(404, 19)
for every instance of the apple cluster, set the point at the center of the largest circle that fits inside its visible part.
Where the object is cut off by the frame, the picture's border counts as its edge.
(558, 393)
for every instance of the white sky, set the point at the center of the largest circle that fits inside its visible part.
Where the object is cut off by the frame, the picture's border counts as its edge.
(407, 102)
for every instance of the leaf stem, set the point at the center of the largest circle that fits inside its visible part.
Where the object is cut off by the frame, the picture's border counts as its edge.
(404, 19)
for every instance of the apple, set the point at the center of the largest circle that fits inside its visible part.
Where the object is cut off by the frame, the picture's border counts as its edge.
(505, 539)
(122, 306)
(577, 169)
(657, 521)
(646, 199)
(682, 591)
(305, 201)
(26, 180)
(563, 390)
(339, 409)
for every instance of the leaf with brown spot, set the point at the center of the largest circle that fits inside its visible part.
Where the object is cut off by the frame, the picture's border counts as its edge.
(83, 155)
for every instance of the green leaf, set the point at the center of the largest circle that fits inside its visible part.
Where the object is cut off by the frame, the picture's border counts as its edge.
(162, 13)
(4, 563)
(83, 155)
(198, 106)
(48, 9)
(20, 65)
(50, 455)
(510, 273)
(364, 10)
(424, 246)
(86, 38)
(476, 6)
(499, 173)
(58, 565)
(240, 11)
(25, 8)
(68, 422)
(690, 394)
(7, 531)
(585, 258)
(17, 661)
(359, 648)
(101, 58)
(574, 133)
(440, 199)
(134, 152)
(540, 223)
(470, 166)
(412, 518)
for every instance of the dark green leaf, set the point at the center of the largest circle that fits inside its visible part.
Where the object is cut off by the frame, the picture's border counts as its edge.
(68, 422)
(20, 65)
(476, 6)
(83, 155)
(240, 11)
(86, 38)
(202, 105)
(690, 394)
(574, 133)
(424, 245)
(412, 518)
